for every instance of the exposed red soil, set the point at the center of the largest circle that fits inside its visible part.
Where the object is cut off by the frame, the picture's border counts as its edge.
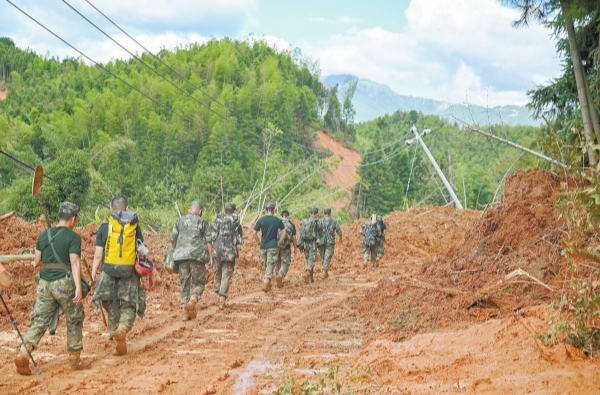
(344, 176)
(412, 340)
(3, 94)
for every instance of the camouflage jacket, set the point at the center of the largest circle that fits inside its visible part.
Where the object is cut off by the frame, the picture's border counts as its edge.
(226, 234)
(328, 227)
(190, 235)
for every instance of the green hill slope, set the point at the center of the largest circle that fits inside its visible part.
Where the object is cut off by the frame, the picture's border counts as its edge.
(57, 110)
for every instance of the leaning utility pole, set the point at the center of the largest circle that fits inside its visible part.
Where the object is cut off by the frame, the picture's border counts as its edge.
(437, 168)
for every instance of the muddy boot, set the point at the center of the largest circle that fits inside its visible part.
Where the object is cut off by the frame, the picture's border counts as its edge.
(222, 300)
(325, 275)
(306, 278)
(310, 276)
(185, 315)
(191, 306)
(365, 263)
(266, 285)
(22, 361)
(120, 339)
(75, 362)
(279, 281)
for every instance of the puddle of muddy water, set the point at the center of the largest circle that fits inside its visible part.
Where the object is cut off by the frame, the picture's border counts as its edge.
(245, 378)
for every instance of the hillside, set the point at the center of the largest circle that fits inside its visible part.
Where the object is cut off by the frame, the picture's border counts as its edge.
(372, 100)
(222, 121)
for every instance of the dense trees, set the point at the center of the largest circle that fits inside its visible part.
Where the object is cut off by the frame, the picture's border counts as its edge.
(135, 147)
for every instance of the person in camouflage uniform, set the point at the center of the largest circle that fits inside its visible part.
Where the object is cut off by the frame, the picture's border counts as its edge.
(370, 233)
(129, 300)
(381, 239)
(59, 285)
(308, 243)
(226, 234)
(285, 249)
(326, 247)
(269, 225)
(193, 250)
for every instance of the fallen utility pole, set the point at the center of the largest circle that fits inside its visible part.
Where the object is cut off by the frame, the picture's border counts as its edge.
(437, 168)
(524, 149)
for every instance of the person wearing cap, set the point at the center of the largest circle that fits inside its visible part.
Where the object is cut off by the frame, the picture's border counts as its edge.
(310, 229)
(285, 249)
(58, 250)
(269, 224)
(326, 243)
(5, 278)
(191, 238)
(123, 298)
(226, 234)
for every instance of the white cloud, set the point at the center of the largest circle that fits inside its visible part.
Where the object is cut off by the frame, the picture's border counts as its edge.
(450, 50)
(346, 20)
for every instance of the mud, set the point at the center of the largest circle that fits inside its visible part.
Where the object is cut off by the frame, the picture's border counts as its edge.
(344, 176)
(381, 333)
(3, 94)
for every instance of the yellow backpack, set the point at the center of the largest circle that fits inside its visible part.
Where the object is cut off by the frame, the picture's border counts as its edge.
(120, 248)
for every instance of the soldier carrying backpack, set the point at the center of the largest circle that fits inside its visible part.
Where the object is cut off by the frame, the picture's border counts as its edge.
(119, 285)
(285, 248)
(192, 240)
(370, 233)
(226, 234)
(326, 244)
(309, 232)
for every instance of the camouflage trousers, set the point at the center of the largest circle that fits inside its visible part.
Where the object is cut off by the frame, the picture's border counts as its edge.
(310, 253)
(326, 253)
(370, 253)
(223, 270)
(283, 261)
(380, 248)
(51, 295)
(130, 300)
(124, 314)
(268, 261)
(191, 271)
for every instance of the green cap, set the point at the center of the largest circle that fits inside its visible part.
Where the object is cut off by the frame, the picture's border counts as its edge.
(314, 210)
(230, 206)
(68, 208)
(270, 206)
(327, 211)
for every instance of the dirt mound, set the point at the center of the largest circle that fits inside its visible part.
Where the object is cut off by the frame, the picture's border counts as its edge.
(467, 284)
(3, 94)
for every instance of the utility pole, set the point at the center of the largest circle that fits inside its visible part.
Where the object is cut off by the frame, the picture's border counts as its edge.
(451, 173)
(524, 149)
(437, 168)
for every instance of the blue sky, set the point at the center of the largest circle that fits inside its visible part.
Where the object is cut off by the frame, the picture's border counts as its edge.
(459, 50)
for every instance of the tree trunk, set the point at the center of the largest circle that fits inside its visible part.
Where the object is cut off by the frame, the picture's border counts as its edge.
(579, 80)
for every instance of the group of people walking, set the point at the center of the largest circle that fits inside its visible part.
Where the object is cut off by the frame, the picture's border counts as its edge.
(120, 264)
(278, 236)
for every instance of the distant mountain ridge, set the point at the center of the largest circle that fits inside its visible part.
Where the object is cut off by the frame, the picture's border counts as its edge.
(372, 100)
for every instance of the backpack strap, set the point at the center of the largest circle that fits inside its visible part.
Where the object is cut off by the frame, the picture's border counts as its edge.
(58, 264)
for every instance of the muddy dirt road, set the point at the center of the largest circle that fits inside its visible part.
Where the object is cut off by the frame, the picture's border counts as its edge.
(261, 339)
